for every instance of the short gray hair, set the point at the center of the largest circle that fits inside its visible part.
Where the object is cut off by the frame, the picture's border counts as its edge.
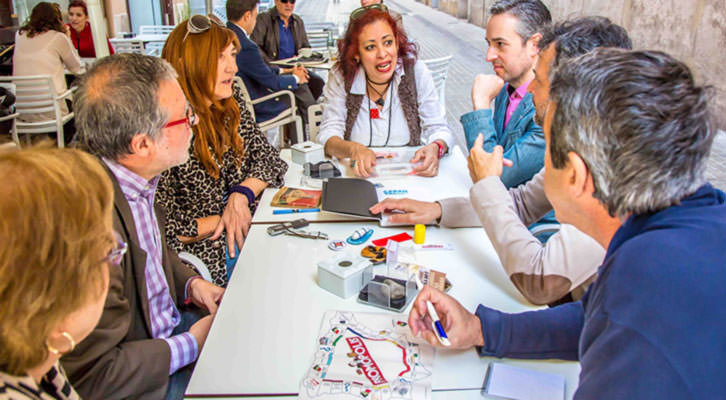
(639, 122)
(532, 15)
(117, 99)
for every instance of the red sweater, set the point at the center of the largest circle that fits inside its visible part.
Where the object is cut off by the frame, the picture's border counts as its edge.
(83, 42)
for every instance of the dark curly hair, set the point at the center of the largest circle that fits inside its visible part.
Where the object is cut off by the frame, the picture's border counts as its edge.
(348, 47)
(44, 17)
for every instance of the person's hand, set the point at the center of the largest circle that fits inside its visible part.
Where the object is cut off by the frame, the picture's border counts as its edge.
(416, 212)
(301, 73)
(236, 220)
(462, 327)
(483, 164)
(428, 156)
(200, 330)
(484, 90)
(205, 294)
(362, 159)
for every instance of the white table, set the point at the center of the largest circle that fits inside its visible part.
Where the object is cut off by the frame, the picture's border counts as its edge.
(291, 62)
(452, 180)
(152, 37)
(263, 337)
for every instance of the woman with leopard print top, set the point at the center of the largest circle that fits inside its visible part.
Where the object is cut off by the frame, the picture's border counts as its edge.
(209, 200)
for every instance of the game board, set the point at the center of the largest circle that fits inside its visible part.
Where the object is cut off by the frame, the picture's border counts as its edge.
(368, 356)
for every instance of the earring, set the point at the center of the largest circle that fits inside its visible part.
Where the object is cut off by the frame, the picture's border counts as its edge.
(69, 338)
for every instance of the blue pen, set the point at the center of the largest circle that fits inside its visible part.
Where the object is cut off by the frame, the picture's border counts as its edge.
(295, 210)
(435, 320)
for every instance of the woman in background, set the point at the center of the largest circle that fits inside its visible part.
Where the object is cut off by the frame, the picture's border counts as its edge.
(57, 245)
(80, 29)
(210, 199)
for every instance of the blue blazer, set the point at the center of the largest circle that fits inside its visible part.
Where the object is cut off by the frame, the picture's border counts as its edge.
(260, 78)
(523, 140)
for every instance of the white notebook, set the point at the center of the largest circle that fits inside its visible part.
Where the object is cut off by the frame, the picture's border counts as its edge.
(510, 382)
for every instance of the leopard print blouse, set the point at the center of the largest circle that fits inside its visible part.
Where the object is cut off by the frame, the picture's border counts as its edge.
(188, 192)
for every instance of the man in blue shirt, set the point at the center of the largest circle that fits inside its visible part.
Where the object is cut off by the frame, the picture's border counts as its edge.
(512, 33)
(259, 78)
(628, 134)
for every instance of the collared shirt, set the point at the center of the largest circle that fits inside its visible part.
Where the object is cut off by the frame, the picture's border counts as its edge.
(433, 121)
(515, 97)
(163, 313)
(287, 41)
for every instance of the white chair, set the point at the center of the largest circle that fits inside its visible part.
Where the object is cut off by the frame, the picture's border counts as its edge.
(320, 26)
(35, 95)
(439, 68)
(198, 264)
(285, 117)
(319, 40)
(127, 45)
(315, 117)
(155, 29)
(154, 48)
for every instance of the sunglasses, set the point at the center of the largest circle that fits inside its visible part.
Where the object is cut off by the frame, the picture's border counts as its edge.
(360, 11)
(287, 1)
(117, 253)
(199, 23)
(190, 119)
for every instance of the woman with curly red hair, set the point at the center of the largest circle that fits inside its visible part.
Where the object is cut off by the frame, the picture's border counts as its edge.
(379, 94)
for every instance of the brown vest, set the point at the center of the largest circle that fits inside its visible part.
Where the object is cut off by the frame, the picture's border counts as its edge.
(408, 97)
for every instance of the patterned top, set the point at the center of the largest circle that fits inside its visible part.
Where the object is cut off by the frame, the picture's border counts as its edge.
(53, 386)
(163, 313)
(188, 192)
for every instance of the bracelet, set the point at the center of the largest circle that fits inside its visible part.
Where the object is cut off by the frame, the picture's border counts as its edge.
(245, 191)
(441, 149)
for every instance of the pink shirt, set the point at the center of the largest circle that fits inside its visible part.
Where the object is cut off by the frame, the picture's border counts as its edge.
(514, 99)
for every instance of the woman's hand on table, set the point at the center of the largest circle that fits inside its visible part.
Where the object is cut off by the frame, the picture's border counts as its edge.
(414, 211)
(428, 157)
(362, 159)
(236, 220)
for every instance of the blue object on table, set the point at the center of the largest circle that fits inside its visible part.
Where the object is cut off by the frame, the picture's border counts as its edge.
(395, 191)
(360, 236)
(295, 210)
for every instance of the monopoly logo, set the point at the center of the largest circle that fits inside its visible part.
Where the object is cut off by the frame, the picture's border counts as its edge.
(368, 365)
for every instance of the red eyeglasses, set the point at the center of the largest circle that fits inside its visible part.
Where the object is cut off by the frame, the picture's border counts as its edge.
(190, 119)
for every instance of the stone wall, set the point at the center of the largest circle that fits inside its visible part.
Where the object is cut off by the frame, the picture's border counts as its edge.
(693, 31)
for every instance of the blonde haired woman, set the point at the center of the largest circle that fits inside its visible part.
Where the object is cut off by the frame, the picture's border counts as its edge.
(57, 243)
(210, 199)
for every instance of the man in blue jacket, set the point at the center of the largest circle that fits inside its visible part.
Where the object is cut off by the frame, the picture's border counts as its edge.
(259, 78)
(512, 33)
(628, 135)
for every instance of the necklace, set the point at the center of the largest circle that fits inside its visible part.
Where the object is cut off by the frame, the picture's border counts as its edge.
(370, 121)
(370, 84)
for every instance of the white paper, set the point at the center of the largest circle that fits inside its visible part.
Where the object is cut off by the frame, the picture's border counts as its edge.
(368, 356)
(510, 382)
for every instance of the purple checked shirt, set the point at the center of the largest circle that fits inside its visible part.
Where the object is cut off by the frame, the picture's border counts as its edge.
(163, 313)
(514, 99)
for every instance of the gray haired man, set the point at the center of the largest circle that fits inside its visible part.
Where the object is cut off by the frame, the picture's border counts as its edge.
(628, 135)
(132, 113)
(560, 269)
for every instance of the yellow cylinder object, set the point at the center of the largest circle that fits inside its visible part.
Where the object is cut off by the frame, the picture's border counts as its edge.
(419, 233)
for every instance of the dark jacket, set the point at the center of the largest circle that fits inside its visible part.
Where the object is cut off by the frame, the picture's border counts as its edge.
(651, 325)
(267, 34)
(260, 79)
(120, 359)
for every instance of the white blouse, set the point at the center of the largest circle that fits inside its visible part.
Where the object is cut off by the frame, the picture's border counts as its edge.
(374, 132)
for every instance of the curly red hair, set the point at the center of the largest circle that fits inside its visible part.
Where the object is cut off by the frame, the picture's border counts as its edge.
(348, 47)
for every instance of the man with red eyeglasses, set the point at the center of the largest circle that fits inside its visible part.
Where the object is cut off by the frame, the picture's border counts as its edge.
(132, 113)
(280, 34)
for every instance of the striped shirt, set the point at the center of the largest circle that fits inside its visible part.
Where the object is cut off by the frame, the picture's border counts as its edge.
(163, 313)
(54, 385)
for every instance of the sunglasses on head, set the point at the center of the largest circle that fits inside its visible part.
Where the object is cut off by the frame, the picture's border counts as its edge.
(360, 11)
(199, 23)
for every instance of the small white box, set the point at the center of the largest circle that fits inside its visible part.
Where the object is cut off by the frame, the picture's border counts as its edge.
(342, 274)
(307, 152)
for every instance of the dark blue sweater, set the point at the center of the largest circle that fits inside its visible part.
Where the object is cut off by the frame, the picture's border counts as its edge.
(653, 324)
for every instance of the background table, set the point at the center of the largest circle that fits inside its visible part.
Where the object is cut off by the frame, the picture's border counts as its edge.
(263, 337)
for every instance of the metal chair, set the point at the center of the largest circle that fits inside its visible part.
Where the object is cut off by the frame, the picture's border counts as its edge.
(127, 45)
(36, 95)
(439, 68)
(155, 29)
(320, 40)
(315, 117)
(285, 117)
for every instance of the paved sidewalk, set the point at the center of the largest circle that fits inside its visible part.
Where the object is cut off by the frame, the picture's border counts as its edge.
(439, 34)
